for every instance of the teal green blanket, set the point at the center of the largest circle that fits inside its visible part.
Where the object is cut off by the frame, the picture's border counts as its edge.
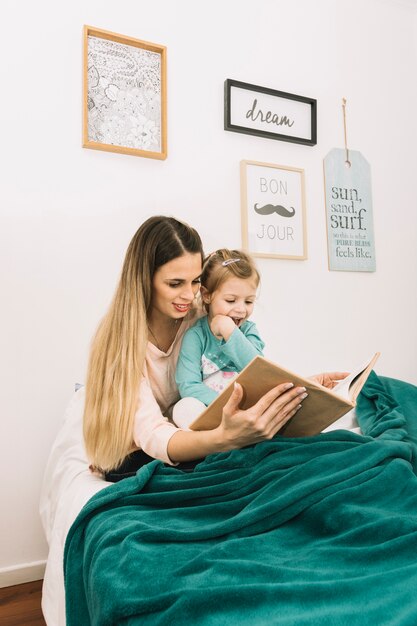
(318, 530)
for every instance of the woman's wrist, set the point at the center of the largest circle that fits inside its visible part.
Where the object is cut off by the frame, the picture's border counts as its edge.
(191, 445)
(219, 439)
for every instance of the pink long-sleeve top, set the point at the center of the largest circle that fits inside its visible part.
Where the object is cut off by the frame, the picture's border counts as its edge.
(158, 392)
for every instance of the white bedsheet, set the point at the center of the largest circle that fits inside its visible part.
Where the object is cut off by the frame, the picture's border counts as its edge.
(68, 485)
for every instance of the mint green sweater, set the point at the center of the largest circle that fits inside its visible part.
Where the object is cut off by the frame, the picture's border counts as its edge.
(202, 355)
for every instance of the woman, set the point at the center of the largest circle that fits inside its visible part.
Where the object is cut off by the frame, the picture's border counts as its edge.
(131, 374)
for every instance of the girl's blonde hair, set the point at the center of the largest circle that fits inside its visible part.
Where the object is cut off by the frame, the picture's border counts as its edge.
(118, 349)
(223, 264)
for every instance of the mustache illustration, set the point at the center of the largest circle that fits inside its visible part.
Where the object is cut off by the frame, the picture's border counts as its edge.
(268, 209)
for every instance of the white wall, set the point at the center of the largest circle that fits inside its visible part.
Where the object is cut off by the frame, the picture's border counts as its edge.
(67, 214)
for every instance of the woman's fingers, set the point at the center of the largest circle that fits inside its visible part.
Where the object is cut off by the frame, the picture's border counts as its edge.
(283, 417)
(232, 405)
(333, 378)
(268, 422)
(268, 415)
(338, 375)
(329, 379)
(282, 413)
(279, 396)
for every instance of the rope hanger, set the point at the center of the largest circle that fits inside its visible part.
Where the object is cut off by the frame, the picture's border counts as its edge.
(347, 162)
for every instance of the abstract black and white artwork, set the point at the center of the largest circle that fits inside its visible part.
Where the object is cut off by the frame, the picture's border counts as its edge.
(125, 95)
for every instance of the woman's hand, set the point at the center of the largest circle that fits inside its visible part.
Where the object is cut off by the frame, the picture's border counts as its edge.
(239, 427)
(329, 379)
(261, 421)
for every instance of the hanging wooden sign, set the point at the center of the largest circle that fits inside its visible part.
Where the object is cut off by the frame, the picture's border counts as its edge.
(350, 231)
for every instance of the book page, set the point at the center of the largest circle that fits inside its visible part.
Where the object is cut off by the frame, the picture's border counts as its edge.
(350, 386)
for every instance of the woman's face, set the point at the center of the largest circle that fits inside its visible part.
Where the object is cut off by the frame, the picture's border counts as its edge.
(175, 286)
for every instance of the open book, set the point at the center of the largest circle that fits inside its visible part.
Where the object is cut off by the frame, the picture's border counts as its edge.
(321, 408)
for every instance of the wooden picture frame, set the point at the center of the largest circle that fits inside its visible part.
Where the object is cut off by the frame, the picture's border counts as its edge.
(273, 210)
(269, 113)
(125, 95)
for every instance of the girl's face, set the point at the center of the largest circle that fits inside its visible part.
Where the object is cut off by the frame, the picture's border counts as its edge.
(175, 286)
(234, 298)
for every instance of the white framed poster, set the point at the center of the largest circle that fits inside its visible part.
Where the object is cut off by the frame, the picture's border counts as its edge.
(273, 210)
(350, 230)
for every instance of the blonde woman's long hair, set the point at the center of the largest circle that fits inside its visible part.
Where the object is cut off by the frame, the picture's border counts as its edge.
(118, 350)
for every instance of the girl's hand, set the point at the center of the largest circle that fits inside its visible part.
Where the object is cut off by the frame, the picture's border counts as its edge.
(261, 421)
(329, 379)
(222, 326)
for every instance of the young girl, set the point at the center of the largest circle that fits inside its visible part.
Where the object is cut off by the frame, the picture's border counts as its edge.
(224, 341)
